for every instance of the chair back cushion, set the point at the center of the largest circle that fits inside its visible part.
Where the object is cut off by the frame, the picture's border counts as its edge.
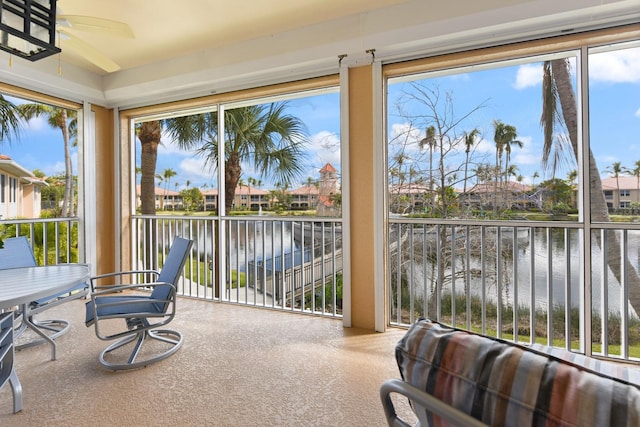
(16, 253)
(506, 384)
(172, 269)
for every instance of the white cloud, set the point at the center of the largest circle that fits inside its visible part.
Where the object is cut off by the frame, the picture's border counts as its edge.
(637, 113)
(194, 170)
(485, 146)
(528, 75)
(325, 148)
(38, 124)
(622, 66)
(406, 133)
(53, 168)
(170, 147)
(529, 154)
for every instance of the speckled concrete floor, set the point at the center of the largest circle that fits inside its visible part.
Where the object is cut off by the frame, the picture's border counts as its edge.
(238, 366)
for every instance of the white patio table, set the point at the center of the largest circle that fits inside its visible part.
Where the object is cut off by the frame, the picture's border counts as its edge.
(20, 286)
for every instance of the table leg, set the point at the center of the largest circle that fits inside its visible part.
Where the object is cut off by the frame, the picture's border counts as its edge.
(16, 387)
(30, 324)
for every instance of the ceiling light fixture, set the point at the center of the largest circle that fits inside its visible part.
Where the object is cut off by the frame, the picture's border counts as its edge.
(28, 28)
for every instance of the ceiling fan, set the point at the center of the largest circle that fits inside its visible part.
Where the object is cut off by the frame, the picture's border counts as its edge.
(67, 25)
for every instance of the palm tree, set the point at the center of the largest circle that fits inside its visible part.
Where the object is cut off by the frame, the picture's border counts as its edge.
(310, 184)
(251, 181)
(149, 136)
(557, 89)
(430, 141)
(469, 142)
(10, 120)
(167, 175)
(505, 137)
(65, 120)
(263, 135)
(535, 176)
(615, 170)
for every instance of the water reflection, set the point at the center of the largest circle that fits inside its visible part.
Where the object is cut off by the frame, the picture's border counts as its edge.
(537, 264)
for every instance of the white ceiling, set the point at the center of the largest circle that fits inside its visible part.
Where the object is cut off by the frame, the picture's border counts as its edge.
(163, 31)
(194, 47)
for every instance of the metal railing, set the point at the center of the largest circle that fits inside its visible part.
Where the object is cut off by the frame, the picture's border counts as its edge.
(53, 240)
(284, 263)
(521, 281)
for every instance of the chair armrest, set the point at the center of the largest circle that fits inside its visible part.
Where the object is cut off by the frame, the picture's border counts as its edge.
(116, 289)
(421, 402)
(93, 279)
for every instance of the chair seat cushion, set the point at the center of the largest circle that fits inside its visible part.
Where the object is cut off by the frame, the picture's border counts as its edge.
(128, 306)
(502, 383)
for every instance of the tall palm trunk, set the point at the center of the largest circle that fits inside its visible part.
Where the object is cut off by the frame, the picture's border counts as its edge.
(232, 172)
(599, 211)
(149, 136)
(67, 202)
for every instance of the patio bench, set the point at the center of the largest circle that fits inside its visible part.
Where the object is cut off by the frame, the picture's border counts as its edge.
(470, 379)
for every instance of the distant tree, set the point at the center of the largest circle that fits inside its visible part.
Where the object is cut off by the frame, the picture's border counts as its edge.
(65, 120)
(167, 175)
(469, 142)
(191, 199)
(535, 176)
(263, 135)
(615, 170)
(557, 191)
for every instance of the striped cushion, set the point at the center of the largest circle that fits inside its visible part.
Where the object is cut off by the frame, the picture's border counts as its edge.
(505, 384)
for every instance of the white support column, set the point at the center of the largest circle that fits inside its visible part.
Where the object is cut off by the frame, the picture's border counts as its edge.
(379, 197)
(87, 191)
(221, 243)
(346, 212)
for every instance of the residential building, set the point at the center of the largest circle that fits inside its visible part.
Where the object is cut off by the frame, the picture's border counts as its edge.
(20, 191)
(165, 199)
(510, 195)
(621, 192)
(305, 197)
(251, 198)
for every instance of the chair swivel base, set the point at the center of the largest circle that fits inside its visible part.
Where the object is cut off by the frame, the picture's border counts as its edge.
(57, 326)
(173, 338)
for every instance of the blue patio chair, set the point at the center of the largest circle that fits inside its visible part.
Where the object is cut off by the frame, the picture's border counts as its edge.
(17, 253)
(7, 371)
(143, 313)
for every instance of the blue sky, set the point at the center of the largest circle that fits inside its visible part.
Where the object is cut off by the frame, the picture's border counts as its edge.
(511, 94)
(321, 115)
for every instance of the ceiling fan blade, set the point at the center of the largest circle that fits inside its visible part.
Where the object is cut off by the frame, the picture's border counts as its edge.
(96, 25)
(88, 52)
